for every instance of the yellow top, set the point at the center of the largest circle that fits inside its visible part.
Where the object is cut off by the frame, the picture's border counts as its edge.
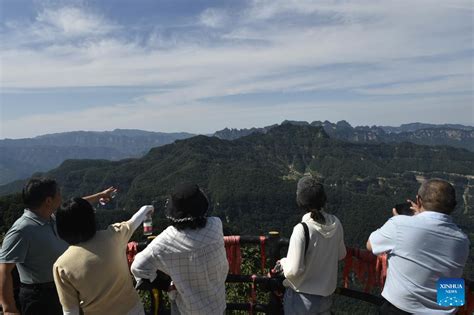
(95, 276)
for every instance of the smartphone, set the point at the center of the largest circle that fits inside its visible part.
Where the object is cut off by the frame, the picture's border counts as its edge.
(404, 208)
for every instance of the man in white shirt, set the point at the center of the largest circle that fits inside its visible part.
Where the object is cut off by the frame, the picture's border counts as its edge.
(421, 249)
(191, 251)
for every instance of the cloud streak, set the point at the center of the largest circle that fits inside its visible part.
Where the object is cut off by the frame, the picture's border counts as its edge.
(71, 22)
(366, 48)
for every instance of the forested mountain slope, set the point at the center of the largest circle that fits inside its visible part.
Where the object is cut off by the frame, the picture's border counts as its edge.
(251, 181)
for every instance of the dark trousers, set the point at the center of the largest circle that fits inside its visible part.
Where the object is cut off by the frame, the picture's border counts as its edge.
(388, 308)
(39, 301)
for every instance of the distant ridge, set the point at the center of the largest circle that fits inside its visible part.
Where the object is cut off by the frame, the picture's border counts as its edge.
(458, 136)
(22, 157)
(417, 126)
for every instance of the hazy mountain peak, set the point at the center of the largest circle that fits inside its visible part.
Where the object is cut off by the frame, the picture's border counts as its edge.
(291, 129)
(343, 124)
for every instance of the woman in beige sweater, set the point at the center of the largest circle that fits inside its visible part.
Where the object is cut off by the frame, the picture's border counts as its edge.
(93, 274)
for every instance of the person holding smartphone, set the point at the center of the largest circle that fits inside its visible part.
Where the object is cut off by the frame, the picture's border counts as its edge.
(404, 208)
(421, 249)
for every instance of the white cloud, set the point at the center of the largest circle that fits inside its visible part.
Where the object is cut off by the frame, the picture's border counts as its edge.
(110, 60)
(213, 17)
(443, 85)
(198, 117)
(392, 48)
(55, 26)
(72, 21)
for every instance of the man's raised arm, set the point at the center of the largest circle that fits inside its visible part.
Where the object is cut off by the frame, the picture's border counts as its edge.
(106, 194)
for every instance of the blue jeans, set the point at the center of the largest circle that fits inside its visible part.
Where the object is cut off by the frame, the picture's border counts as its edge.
(297, 303)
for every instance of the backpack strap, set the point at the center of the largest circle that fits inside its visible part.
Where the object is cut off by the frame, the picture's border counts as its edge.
(306, 237)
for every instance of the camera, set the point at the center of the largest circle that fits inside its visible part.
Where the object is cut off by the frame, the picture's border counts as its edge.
(404, 208)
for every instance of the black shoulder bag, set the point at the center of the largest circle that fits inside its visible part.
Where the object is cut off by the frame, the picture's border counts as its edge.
(306, 237)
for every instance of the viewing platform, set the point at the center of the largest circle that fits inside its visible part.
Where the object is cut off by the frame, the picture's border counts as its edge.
(362, 276)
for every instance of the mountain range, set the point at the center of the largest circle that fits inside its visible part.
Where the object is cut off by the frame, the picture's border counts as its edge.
(20, 158)
(459, 136)
(251, 181)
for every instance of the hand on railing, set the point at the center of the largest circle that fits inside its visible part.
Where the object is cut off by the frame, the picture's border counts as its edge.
(278, 269)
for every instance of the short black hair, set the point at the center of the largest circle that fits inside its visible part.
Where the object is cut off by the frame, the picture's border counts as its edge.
(310, 194)
(438, 195)
(75, 221)
(37, 190)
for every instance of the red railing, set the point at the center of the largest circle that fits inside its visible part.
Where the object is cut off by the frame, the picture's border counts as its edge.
(361, 265)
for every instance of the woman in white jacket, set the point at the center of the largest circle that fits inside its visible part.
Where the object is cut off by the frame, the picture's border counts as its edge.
(310, 267)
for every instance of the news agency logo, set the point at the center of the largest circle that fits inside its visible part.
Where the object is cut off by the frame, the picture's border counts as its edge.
(451, 292)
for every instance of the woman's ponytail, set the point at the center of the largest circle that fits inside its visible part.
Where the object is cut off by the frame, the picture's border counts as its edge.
(317, 216)
(310, 196)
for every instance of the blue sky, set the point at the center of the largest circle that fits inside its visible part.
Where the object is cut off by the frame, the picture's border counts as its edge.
(200, 66)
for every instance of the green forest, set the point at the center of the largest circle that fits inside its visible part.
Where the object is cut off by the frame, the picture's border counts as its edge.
(251, 181)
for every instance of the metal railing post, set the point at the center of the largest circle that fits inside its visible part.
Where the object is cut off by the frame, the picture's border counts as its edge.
(275, 306)
(273, 247)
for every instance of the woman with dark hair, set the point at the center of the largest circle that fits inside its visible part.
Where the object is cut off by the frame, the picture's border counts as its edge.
(32, 246)
(191, 251)
(93, 274)
(316, 246)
